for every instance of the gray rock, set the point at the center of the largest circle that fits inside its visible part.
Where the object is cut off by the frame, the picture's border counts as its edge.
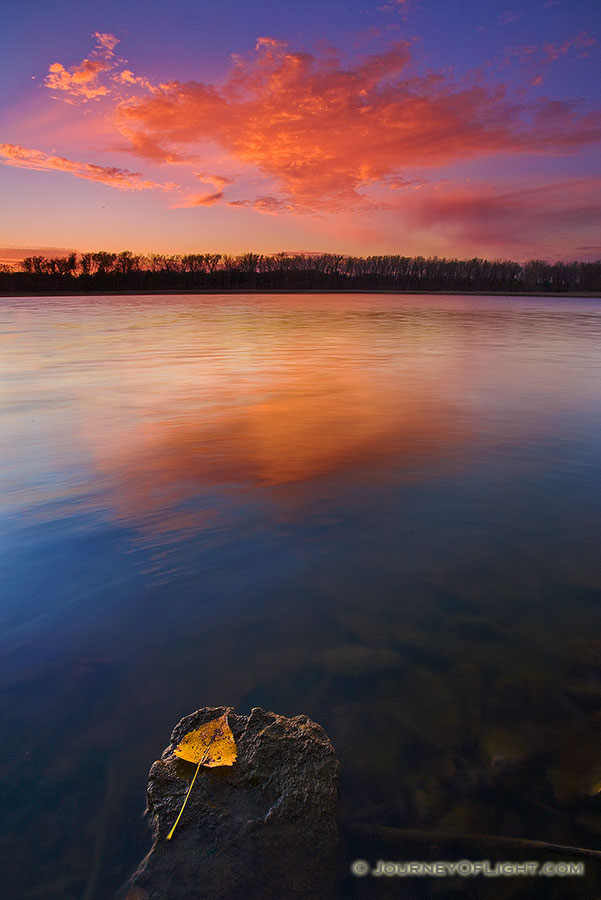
(264, 828)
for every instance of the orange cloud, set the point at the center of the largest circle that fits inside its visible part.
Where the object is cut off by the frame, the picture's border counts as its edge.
(127, 77)
(83, 81)
(80, 81)
(123, 179)
(324, 133)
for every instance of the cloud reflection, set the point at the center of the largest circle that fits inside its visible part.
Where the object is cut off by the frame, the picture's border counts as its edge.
(268, 418)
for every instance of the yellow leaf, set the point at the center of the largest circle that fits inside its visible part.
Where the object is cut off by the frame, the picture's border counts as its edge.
(210, 745)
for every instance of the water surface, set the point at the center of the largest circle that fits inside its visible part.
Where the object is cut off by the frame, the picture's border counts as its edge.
(382, 511)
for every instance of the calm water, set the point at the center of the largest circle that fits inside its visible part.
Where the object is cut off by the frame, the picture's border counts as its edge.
(384, 512)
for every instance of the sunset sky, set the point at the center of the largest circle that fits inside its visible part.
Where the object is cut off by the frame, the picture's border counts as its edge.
(432, 127)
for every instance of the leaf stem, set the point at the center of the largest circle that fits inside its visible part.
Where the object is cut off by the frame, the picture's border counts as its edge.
(200, 762)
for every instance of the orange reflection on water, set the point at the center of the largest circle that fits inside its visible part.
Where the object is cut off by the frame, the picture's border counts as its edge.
(290, 414)
(137, 406)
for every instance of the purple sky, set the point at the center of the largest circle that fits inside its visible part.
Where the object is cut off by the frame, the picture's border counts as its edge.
(415, 127)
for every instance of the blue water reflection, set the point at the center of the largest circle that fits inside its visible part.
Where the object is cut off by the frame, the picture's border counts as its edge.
(380, 511)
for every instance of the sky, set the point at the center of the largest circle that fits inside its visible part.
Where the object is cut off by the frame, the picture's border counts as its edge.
(454, 128)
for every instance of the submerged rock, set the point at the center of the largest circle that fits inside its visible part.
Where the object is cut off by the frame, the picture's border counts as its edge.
(265, 827)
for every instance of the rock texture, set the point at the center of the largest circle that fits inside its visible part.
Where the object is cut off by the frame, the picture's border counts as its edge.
(264, 828)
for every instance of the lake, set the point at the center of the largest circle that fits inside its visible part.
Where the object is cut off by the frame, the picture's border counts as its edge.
(381, 511)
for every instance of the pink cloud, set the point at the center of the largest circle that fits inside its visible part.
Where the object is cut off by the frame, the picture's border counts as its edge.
(203, 200)
(13, 255)
(146, 147)
(123, 179)
(582, 42)
(270, 204)
(106, 42)
(487, 215)
(549, 52)
(509, 17)
(218, 181)
(264, 204)
(395, 6)
(537, 58)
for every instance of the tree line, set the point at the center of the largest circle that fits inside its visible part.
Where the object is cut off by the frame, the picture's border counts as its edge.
(127, 271)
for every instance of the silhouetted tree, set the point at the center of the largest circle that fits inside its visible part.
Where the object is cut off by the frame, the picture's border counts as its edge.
(104, 270)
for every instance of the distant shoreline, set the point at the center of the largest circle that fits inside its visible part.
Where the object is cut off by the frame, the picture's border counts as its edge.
(258, 291)
(126, 274)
